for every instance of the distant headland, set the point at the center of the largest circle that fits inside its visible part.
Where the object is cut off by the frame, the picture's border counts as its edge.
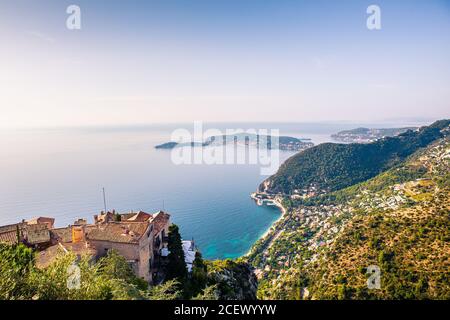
(366, 135)
(260, 141)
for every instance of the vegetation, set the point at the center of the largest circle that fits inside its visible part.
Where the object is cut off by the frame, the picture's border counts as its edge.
(410, 247)
(219, 279)
(71, 277)
(176, 268)
(397, 220)
(393, 212)
(331, 167)
(232, 279)
(109, 278)
(199, 277)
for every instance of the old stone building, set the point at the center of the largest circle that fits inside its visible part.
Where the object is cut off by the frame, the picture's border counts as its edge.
(34, 232)
(132, 240)
(139, 237)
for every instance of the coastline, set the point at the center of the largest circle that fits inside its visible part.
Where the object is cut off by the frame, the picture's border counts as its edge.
(267, 232)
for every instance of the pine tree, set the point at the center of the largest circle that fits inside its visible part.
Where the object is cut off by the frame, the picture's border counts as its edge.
(199, 278)
(176, 268)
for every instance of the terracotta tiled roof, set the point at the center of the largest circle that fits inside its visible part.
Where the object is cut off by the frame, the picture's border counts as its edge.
(47, 256)
(126, 232)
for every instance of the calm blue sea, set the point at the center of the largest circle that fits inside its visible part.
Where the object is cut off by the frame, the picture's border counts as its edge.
(61, 172)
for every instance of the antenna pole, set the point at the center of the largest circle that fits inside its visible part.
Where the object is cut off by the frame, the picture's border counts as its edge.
(104, 199)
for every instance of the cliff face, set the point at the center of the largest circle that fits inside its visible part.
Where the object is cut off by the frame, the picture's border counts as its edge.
(234, 280)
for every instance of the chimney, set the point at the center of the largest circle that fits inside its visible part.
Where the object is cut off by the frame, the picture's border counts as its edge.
(78, 234)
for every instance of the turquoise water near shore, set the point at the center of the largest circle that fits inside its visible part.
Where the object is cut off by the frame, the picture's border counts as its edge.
(61, 172)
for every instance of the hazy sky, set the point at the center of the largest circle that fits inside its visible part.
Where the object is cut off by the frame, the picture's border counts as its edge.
(222, 60)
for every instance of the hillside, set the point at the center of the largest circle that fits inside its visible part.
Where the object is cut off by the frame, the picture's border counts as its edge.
(398, 220)
(365, 135)
(330, 167)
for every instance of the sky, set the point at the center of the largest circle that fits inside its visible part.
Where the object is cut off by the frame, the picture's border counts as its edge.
(138, 62)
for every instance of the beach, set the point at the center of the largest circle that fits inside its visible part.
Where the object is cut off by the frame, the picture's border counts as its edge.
(269, 230)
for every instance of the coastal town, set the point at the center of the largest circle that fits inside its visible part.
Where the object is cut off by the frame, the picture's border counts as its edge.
(140, 237)
(307, 233)
(366, 135)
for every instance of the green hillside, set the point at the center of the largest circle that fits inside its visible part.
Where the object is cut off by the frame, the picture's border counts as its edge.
(330, 167)
(398, 220)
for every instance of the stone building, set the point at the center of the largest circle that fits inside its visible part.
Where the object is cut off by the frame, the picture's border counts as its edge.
(49, 222)
(139, 237)
(34, 232)
(132, 240)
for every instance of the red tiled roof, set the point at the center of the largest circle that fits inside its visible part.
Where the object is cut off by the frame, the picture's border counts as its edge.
(46, 257)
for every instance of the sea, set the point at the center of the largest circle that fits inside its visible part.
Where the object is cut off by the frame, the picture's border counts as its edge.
(61, 173)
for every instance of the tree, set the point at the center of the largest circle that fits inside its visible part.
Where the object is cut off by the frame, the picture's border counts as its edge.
(343, 293)
(15, 264)
(176, 268)
(166, 291)
(115, 266)
(109, 278)
(209, 293)
(199, 278)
